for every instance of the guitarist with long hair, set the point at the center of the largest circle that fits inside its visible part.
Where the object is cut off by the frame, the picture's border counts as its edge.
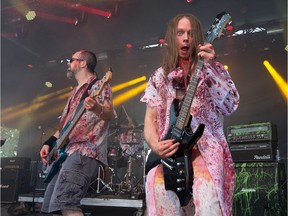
(201, 152)
(75, 163)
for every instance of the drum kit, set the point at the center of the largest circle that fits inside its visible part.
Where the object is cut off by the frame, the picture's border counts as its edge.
(126, 159)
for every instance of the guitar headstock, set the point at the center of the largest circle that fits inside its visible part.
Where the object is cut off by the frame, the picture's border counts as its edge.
(216, 30)
(108, 76)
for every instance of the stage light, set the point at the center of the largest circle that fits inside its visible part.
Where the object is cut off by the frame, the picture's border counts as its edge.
(127, 84)
(245, 31)
(162, 42)
(229, 28)
(20, 110)
(48, 84)
(281, 83)
(30, 15)
(91, 10)
(23, 109)
(149, 46)
(129, 94)
(129, 46)
(80, 17)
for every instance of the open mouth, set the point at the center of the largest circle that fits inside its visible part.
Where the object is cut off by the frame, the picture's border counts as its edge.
(185, 48)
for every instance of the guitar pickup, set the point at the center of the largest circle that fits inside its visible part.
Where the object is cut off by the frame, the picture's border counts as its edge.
(180, 163)
(180, 189)
(167, 165)
(180, 180)
(181, 172)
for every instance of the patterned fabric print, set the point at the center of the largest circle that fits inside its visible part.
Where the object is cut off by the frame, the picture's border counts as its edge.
(89, 135)
(203, 188)
(216, 96)
(160, 202)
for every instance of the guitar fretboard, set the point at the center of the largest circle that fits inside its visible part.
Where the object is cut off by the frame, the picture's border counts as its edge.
(186, 104)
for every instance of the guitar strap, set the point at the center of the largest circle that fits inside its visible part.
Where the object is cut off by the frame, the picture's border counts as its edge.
(85, 95)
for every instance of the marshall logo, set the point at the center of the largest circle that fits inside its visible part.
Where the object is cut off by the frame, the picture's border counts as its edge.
(262, 157)
(4, 186)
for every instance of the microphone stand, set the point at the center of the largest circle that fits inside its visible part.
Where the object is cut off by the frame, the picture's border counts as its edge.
(36, 176)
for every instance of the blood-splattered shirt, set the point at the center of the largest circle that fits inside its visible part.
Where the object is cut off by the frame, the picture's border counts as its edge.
(89, 136)
(216, 96)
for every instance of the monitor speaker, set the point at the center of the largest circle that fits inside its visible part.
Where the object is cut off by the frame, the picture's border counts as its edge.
(260, 189)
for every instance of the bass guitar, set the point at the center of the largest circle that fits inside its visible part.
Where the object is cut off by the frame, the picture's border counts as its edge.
(178, 172)
(57, 155)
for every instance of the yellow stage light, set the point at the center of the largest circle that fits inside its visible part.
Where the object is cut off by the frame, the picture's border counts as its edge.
(42, 101)
(282, 84)
(27, 107)
(30, 15)
(127, 84)
(15, 114)
(128, 95)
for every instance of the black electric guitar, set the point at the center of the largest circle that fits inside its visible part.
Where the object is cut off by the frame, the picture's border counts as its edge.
(57, 155)
(178, 172)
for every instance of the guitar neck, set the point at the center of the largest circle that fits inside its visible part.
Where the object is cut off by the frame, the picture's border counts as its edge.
(184, 113)
(62, 139)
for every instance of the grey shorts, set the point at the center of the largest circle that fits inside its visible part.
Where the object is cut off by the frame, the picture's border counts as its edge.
(70, 184)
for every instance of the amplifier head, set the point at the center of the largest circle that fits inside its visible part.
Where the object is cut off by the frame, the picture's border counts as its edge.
(263, 131)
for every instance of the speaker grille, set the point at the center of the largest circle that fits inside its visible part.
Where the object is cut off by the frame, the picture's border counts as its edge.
(260, 189)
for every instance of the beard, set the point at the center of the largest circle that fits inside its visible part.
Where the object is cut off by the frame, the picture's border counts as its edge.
(70, 74)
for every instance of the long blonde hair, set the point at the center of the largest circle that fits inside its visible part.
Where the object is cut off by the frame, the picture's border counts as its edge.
(170, 61)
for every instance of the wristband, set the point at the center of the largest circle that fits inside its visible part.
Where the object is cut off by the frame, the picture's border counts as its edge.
(50, 141)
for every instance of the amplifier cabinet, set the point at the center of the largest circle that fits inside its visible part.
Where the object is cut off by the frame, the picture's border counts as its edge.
(15, 178)
(260, 189)
(13, 183)
(15, 163)
(253, 152)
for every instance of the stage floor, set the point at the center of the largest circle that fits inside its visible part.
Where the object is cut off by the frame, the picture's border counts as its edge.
(93, 204)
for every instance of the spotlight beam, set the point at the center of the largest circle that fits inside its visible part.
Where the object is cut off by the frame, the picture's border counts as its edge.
(127, 84)
(281, 83)
(128, 95)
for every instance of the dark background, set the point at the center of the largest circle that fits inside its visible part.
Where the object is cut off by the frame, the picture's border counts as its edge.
(44, 43)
